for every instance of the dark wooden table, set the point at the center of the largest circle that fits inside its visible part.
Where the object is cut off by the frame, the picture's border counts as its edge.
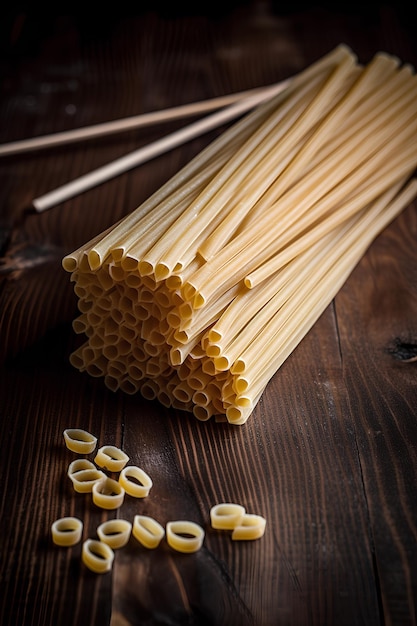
(329, 455)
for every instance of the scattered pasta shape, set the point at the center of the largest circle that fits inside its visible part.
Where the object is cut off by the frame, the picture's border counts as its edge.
(111, 458)
(184, 536)
(108, 493)
(115, 532)
(79, 440)
(148, 531)
(67, 531)
(79, 465)
(226, 515)
(84, 480)
(97, 556)
(139, 489)
(250, 527)
(200, 312)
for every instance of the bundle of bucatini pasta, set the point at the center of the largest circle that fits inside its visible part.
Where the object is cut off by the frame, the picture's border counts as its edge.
(198, 296)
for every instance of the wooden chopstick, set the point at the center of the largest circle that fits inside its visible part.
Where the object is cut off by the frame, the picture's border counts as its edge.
(125, 124)
(123, 164)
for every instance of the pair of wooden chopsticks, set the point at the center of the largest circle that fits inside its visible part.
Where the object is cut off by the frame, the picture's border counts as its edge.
(231, 106)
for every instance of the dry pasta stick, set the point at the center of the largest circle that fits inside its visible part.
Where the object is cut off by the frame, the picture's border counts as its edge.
(204, 209)
(267, 234)
(253, 181)
(246, 305)
(100, 251)
(125, 223)
(125, 124)
(273, 320)
(332, 156)
(205, 317)
(152, 228)
(387, 176)
(242, 406)
(148, 263)
(248, 302)
(344, 114)
(368, 109)
(150, 151)
(98, 247)
(372, 223)
(243, 332)
(192, 175)
(169, 208)
(232, 261)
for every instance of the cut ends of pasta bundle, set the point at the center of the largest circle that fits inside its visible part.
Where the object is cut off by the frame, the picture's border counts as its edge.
(198, 296)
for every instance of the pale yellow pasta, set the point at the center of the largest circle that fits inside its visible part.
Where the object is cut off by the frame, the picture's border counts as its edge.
(66, 531)
(115, 533)
(141, 484)
(198, 297)
(97, 556)
(84, 480)
(382, 67)
(111, 458)
(108, 493)
(226, 515)
(148, 531)
(401, 164)
(184, 536)
(79, 440)
(97, 249)
(279, 163)
(234, 261)
(78, 465)
(183, 392)
(187, 229)
(203, 412)
(250, 527)
(349, 253)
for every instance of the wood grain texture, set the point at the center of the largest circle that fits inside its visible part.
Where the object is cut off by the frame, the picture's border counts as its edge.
(329, 455)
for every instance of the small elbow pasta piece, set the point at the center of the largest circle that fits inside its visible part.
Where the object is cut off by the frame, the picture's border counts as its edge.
(115, 532)
(66, 531)
(184, 536)
(147, 531)
(108, 493)
(84, 480)
(80, 441)
(226, 515)
(97, 556)
(111, 458)
(134, 489)
(250, 527)
(79, 465)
